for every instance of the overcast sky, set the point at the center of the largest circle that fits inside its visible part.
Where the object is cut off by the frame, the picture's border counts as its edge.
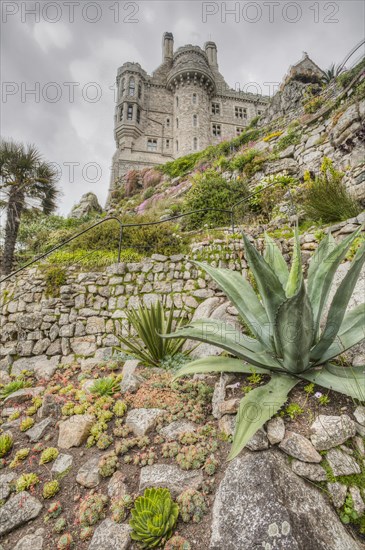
(68, 54)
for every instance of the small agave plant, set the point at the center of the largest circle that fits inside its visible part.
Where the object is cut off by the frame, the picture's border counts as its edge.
(288, 343)
(153, 517)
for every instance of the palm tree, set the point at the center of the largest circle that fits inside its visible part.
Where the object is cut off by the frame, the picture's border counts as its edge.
(27, 182)
(331, 73)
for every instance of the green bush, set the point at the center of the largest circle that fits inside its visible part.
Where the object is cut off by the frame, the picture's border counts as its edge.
(105, 386)
(180, 166)
(291, 138)
(345, 78)
(210, 190)
(54, 277)
(247, 162)
(6, 443)
(12, 387)
(326, 197)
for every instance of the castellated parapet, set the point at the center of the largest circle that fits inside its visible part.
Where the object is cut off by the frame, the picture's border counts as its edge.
(184, 106)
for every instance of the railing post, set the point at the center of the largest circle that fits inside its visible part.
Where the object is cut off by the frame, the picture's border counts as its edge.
(120, 241)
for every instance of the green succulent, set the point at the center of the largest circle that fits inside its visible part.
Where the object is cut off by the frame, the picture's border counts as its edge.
(48, 455)
(26, 481)
(20, 455)
(192, 505)
(120, 408)
(105, 386)
(26, 424)
(51, 488)
(6, 443)
(12, 387)
(153, 517)
(284, 319)
(177, 543)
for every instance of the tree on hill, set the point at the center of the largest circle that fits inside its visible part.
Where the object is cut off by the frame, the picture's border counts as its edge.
(27, 183)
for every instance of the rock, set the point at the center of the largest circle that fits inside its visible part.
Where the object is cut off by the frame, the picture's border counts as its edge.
(62, 465)
(299, 447)
(31, 363)
(359, 414)
(35, 542)
(227, 424)
(331, 431)
(359, 445)
(51, 406)
(259, 441)
(74, 431)
(219, 394)
(175, 429)
(261, 503)
(203, 311)
(359, 505)
(88, 475)
(130, 381)
(45, 370)
(360, 429)
(338, 493)
(116, 486)
(275, 430)
(88, 204)
(230, 406)
(83, 345)
(341, 463)
(111, 536)
(314, 472)
(25, 394)
(5, 480)
(169, 476)
(37, 432)
(142, 421)
(17, 511)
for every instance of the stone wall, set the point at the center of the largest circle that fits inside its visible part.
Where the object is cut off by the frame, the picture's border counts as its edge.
(86, 315)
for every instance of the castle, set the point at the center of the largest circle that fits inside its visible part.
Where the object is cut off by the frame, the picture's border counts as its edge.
(182, 108)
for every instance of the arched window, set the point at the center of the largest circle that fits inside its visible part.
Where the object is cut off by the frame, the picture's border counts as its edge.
(121, 113)
(139, 91)
(130, 112)
(122, 87)
(138, 115)
(194, 98)
(195, 144)
(177, 101)
(195, 121)
(167, 123)
(177, 145)
(132, 86)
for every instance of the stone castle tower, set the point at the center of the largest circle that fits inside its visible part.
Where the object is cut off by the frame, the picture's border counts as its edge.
(182, 108)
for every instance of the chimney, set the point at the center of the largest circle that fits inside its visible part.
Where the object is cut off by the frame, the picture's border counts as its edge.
(167, 46)
(211, 51)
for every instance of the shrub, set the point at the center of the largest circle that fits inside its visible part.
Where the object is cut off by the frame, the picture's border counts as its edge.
(6, 444)
(285, 301)
(54, 277)
(94, 259)
(26, 481)
(50, 489)
(49, 455)
(326, 197)
(240, 162)
(153, 518)
(180, 166)
(291, 138)
(210, 190)
(273, 135)
(151, 324)
(346, 78)
(105, 386)
(313, 105)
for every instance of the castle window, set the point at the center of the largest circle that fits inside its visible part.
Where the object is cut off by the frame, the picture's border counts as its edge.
(121, 112)
(139, 91)
(194, 99)
(152, 145)
(216, 128)
(259, 112)
(177, 123)
(167, 144)
(195, 144)
(167, 123)
(239, 131)
(138, 115)
(132, 86)
(130, 112)
(177, 101)
(195, 121)
(240, 112)
(177, 145)
(122, 87)
(216, 109)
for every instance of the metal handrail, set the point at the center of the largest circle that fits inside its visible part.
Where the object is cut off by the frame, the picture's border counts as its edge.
(142, 224)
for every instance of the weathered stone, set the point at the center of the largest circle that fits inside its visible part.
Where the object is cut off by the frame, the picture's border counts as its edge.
(87, 205)
(62, 464)
(258, 441)
(116, 486)
(299, 447)
(33, 542)
(359, 414)
(359, 505)
(51, 406)
(74, 431)
(338, 493)
(23, 395)
(314, 472)
(230, 406)
(169, 476)
(84, 345)
(219, 394)
(37, 431)
(45, 370)
(5, 480)
(18, 510)
(227, 424)
(261, 503)
(275, 430)
(88, 475)
(341, 463)
(130, 381)
(111, 536)
(142, 421)
(331, 431)
(175, 429)
(359, 445)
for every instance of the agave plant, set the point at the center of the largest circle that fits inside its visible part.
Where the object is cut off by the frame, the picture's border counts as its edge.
(150, 325)
(153, 517)
(288, 342)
